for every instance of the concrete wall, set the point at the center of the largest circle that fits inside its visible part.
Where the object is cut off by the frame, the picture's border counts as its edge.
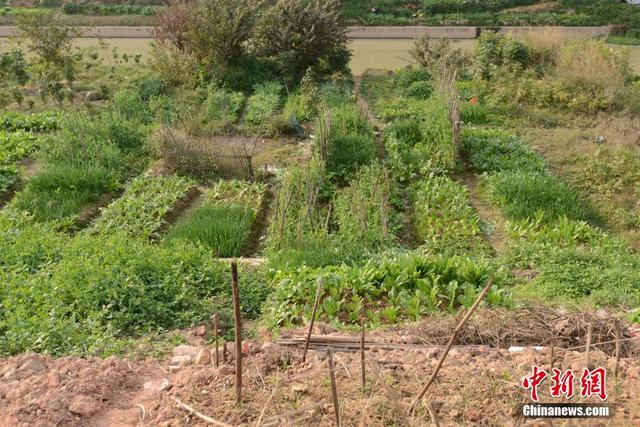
(413, 32)
(568, 31)
(354, 32)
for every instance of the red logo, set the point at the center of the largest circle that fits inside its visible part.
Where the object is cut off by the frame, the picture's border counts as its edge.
(592, 383)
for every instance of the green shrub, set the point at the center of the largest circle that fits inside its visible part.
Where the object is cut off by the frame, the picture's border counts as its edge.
(265, 102)
(350, 142)
(301, 105)
(60, 192)
(419, 90)
(496, 150)
(222, 109)
(386, 290)
(142, 209)
(8, 177)
(150, 87)
(527, 195)
(445, 221)
(128, 103)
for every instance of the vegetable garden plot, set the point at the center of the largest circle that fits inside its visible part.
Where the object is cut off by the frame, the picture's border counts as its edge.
(224, 220)
(142, 210)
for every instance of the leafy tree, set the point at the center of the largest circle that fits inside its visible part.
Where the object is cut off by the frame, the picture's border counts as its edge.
(55, 65)
(13, 75)
(300, 34)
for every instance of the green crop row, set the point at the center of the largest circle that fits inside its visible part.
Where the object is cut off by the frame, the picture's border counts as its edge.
(445, 221)
(142, 209)
(548, 229)
(34, 122)
(85, 294)
(223, 221)
(16, 145)
(387, 289)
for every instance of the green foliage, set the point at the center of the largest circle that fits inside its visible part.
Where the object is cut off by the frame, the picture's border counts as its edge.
(489, 150)
(495, 51)
(142, 209)
(55, 66)
(224, 220)
(60, 192)
(527, 195)
(15, 146)
(298, 35)
(72, 8)
(103, 288)
(150, 87)
(436, 56)
(13, 75)
(363, 210)
(419, 139)
(302, 105)
(8, 177)
(445, 221)
(402, 287)
(349, 140)
(222, 109)
(264, 104)
(223, 229)
(33, 122)
(575, 261)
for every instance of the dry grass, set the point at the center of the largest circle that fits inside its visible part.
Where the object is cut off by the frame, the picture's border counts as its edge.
(534, 8)
(591, 64)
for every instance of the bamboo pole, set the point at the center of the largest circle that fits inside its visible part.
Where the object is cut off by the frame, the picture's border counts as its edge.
(215, 335)
(618, 337)
(363, 373)
(466, 317)
(238, 330)
(334, 386)
(587, 350)
(313, 318)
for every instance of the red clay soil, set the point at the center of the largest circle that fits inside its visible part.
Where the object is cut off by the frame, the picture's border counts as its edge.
(476, 386)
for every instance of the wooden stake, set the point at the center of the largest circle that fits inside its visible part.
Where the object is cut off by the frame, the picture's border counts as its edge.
(553, 355)
(200, 414)
(618, 337)
(313, 319)
(238, 331)
(587, 355)
(215, 335)
(362, 364)
(225, 352)
(334, 387)
(466, 317)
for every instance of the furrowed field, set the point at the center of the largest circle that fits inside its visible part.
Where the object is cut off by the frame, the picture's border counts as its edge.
(391, 199)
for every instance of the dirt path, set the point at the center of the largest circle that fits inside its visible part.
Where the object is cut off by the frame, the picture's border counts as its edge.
(489, 215)
(378, 126)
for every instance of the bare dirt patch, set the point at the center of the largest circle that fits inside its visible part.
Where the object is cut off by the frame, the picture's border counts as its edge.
(477, 385)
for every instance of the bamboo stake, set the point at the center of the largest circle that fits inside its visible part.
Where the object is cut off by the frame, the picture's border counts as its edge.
(334, 387)
(587, 355)
(618, 336)
(200, 415)
(215, 334)
(362, 364)
(238, 331)
(225, 352)
(432, 414)
(466, 317)
(313, 319)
